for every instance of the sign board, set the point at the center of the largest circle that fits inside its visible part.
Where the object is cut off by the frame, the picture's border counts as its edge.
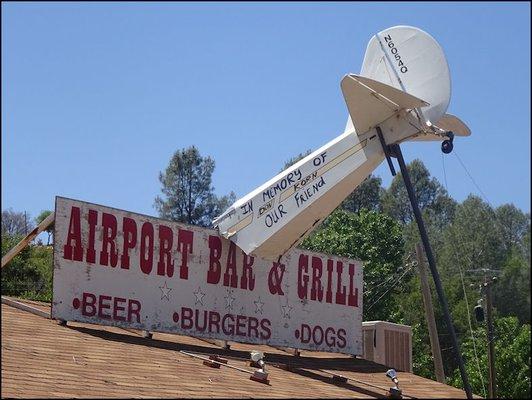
(114, 267)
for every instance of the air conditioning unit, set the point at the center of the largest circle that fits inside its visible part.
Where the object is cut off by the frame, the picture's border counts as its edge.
(388, 344)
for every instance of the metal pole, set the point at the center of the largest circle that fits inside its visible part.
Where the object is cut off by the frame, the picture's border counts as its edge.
(429, 315)
(491, 345)
(432, 264)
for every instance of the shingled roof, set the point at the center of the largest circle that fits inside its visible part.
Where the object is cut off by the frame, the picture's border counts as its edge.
(40, 358)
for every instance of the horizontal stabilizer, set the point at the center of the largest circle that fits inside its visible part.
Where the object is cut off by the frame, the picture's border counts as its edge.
(371, 102)
(452, 123)
(446, 123)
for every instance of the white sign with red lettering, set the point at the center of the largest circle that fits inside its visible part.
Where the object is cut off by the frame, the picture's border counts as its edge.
(114, 267)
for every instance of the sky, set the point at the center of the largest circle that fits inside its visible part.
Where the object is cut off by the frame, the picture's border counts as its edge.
(96, 97)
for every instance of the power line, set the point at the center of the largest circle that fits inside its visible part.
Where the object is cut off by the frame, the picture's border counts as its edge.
(492, 214)
(499, 230)
(466, 299)
(391, 286)
(471, 177)
(408, 257)
(388, 287)
(444, 172)
(471, 331)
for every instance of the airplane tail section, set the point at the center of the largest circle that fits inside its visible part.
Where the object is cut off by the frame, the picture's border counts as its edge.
(447, 123)
(371, 102)
(402, 93)
(409, 61)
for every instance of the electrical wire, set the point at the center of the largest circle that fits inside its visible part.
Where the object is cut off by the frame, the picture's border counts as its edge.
(391, 286)
(393, 280)
(471, 331)
(465, 297)
(391, 277)
(444, 172)
(499, 231)
(492, 214)
(470, 177)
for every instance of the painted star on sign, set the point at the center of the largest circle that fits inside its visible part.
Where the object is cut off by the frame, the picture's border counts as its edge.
(199, 296)
(229, 299)
(165, 290)
(286, 310)
(258, 306)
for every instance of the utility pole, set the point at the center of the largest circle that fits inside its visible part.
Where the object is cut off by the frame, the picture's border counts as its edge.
(491, 345)
(395, 151)
(485, 288)
(429, 316)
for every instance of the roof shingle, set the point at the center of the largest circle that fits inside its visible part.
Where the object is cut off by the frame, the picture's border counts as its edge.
(43, 359)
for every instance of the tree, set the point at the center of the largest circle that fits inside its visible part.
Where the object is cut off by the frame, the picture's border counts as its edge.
(512, 359)
(473, 240)
(512, 291)
(373, 238)
(188, 194)
(429, 192)
(526, 245)
(40, 218)
(29, 273)
(295, 159)
(15, 223)
(512, 224)
(367, 195)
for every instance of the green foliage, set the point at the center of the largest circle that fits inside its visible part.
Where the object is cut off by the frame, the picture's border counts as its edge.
(188, 194)
(29, 274)
(512, 291)
(512, 359)
(526, 245)
(295, 159)
(40, 218)
(423, 362)
(464, 237)
(473, 239)
(368, 236)
(429, 192)
(367, 195)
(512, 225)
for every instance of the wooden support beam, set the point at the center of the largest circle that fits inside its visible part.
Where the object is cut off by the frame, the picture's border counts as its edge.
(224, 344)
(25, 307)
(429, 316)
(45, 224)
(295, 352)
